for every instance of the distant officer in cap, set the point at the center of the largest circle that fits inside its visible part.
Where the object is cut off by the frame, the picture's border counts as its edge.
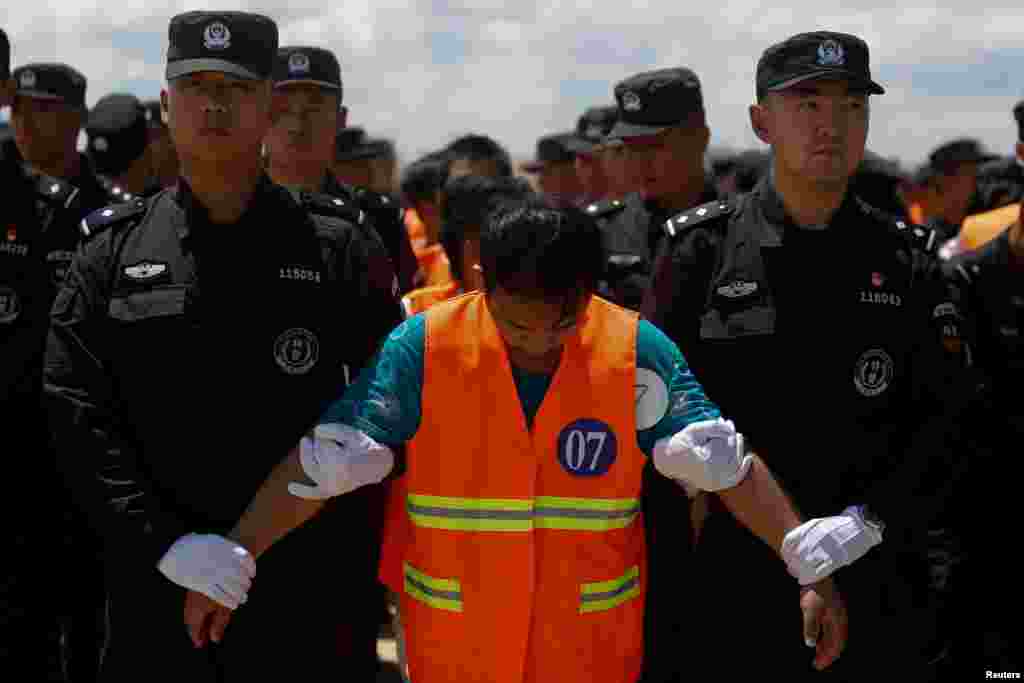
(592, 131)
(161, 147)
(306, 116)
(824, 324)
(117, 143)
(49, 188)
(352, 155)
(176, 306)
(662, 123)
(29, 625)
(555, 167)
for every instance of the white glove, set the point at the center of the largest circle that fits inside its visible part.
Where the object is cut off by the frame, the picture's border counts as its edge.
(817, 548)
(212, 565)
(707, 455)
(340, 459)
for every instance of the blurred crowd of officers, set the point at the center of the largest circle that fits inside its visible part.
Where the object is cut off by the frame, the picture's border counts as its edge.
(637, 167)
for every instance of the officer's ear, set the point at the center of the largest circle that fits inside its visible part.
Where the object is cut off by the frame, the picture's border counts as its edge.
(164, 117)
(1020, 152)
(759, 122)
(342, 117)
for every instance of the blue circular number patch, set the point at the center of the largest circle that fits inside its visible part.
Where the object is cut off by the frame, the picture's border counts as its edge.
(587, 448)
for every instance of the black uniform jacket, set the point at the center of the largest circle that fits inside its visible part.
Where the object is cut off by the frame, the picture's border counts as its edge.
(186, 358)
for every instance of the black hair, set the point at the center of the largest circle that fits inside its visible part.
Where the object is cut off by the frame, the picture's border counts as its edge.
(5, 56)
(423, 178)
(1018, 116)
(533, 249)
(465, 204)
(480, 148)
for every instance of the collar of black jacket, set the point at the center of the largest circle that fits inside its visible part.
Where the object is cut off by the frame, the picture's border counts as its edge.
(778, 221)
(197, 217)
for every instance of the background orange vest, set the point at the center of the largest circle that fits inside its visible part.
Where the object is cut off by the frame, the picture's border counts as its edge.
(522, 551)
(981, 228)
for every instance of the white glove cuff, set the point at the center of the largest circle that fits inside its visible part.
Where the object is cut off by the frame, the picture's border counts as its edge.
(817, 548)
(707, 455)
(340, 459)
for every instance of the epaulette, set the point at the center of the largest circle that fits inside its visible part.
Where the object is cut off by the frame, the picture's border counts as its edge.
(920, 237)
(697, 215)
(55, 191)
(332, 207)
(117, 194)
(379, 205)
(605, 207)
(111, 216)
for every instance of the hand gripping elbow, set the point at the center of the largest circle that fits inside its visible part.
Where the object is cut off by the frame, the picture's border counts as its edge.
(708, 455)
(340, 459)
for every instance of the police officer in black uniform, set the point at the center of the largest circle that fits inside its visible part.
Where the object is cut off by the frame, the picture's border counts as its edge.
(117, 144)
(308, 112)
(817, 322)
(227, 291)
(662, 122)
(48, 188)
(992, 282)
(554, 165)
(588, 145)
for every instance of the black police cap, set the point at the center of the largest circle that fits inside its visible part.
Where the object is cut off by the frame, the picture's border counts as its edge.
(960, 151)
(117, 133)
(592, 128)
(51, 82)
(654, 101)
(812, 56)
(552, 149)
(310, 65)
(5, 55)
(237, 43)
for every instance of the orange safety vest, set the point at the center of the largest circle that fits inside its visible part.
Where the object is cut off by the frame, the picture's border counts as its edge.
(982, 228)
(522, 549)
(423, 298)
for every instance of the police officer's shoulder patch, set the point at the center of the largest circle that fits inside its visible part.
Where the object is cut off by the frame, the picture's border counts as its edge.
(114, 216)
(605, 207)
(686, 220)
(332, 207)
(55, 191)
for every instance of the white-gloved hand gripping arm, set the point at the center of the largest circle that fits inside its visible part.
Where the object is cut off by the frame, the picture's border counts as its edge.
(212, 565)
(340, 459)
(817, 548)
(707, 455)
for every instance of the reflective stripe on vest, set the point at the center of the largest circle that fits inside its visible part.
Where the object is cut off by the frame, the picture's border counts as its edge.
(514, 514)
(443, 594)
(605, 595)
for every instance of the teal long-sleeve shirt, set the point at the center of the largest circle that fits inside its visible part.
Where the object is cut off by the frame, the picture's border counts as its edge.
(385, 400)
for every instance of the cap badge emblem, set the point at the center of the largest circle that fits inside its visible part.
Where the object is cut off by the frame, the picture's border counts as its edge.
(217, 36)
(28, 79)
(830, 53)
(631, 101)
(100, 144)
(298, 63)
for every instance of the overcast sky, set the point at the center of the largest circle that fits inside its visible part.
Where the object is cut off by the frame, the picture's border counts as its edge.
(424, 71)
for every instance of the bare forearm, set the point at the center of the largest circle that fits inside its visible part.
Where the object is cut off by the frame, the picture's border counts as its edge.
(760, 504)
(274, 511)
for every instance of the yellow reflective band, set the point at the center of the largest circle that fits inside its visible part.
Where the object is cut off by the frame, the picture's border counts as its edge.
(517, 514)
(443, 594)
(605, 595)
(585, 514)
(470, 514)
